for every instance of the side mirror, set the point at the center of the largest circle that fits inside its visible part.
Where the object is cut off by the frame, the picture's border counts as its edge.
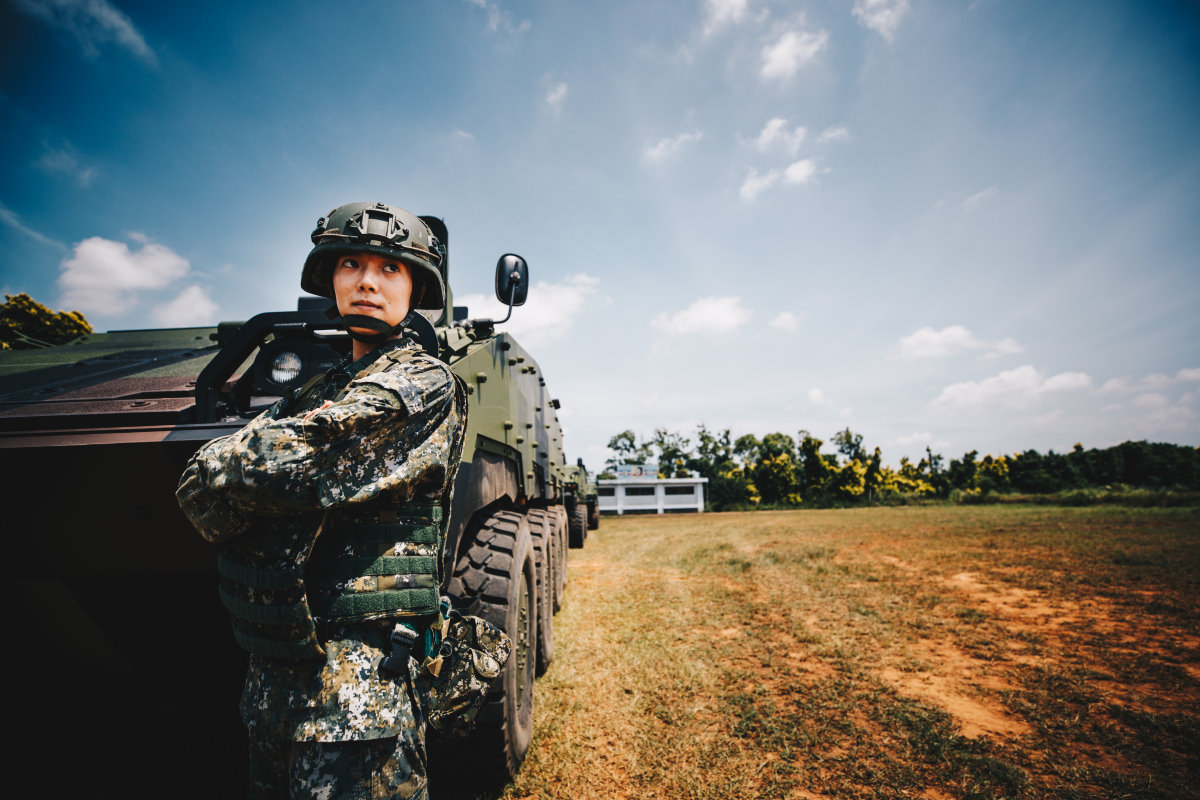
(512, 280)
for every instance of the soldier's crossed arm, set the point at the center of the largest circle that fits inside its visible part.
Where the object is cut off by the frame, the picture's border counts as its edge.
(382, 434)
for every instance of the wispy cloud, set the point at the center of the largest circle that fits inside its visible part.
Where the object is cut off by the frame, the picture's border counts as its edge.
(775, 135)
(1014, 388)
(782, 58)
(556, 96)
(979, 198)
(800, 172)
(499, 18)
(64, 160)
(881, 16)
(755, 184)
(103, 276)
(706, 315)
(665, 148)
(192, 306)
(833, 134)
(785, 321)
(719, 13)
(817, 397)
(926, 342)
(795, 174)
(549, 313)
(93, 23)
(10, 218)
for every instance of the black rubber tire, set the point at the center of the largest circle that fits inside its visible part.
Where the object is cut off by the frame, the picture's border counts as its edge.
(560, 563)
(496, 579)
(577, 525)
(593, 514)
(541, 531)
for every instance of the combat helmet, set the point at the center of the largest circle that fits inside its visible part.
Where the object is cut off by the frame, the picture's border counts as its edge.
(384, 230)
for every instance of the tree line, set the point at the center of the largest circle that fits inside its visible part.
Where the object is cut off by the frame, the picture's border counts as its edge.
(781, 471)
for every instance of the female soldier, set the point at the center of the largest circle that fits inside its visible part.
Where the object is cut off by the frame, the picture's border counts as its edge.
(330, 513)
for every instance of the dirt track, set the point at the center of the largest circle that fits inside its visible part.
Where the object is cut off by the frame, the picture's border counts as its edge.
(937, 653)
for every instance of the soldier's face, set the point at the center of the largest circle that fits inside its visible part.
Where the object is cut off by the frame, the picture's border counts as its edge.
(372, 285)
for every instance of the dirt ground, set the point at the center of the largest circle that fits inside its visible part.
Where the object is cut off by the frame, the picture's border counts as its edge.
(941, 652)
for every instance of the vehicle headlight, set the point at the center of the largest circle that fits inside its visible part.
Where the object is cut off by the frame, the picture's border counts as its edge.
(286, 367)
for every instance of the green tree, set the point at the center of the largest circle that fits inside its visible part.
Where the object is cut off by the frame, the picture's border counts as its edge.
(775, 479)
(26, 324)
(815, 470)
(850, 480)
(673, 450)
(850, 445)
(627, 450)
(746, 448)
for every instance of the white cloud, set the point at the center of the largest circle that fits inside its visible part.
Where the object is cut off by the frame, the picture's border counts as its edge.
(548, 313)
(462, 137)
(1014, 388)
(1008, 347)
(817, 398)
(192, 306)
(556, 96)
(881, 16)
(9, 218)
(800, 172)
(104, 276)
(665, 148)
(775, 135)
(1153, 382)
(785, 321)
(756, 184)
(498, 17)
(1151, 401)
(790, 51)
(93, 23)
(929, 343)
(706, 315)
(833, 134)
(719, 13)
(796, 173)
(64, 161)
(979, 198)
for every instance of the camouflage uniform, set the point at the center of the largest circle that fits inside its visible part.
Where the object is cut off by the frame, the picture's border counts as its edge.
(391, 437)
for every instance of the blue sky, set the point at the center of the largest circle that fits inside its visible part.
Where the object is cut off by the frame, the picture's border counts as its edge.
(970, 225)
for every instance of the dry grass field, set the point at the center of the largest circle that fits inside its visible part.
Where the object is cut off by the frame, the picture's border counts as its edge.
(932, 652)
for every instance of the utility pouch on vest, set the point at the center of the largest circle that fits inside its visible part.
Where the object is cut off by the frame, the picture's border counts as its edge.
(262, 585)
(472, 656)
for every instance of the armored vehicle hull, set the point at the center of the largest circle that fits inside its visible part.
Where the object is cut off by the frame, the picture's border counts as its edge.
(120, 651)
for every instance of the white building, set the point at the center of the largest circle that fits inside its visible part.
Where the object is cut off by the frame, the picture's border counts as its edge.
(645, 495)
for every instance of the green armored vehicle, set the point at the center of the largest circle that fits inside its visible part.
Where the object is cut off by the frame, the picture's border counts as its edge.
(121, 661)
(582, 503)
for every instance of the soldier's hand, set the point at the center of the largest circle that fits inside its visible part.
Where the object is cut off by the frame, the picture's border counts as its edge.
(321, 407)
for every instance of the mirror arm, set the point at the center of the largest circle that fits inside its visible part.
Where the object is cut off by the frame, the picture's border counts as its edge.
(511, 293)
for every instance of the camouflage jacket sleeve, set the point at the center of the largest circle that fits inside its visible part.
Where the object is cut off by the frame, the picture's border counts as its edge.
(390, 433)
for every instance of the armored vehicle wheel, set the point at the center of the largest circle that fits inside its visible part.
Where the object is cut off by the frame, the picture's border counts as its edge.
(541, 530)
(577, 523)
(560, 555)
(496, 579)
(593, 510)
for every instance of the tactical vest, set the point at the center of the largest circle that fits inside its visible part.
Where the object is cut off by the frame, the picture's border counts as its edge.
(384, 570)
(374, 563)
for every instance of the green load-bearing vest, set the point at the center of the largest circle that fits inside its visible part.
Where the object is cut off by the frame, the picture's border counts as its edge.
(379, 564)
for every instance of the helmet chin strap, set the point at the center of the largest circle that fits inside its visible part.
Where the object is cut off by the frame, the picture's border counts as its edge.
(383, 331)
